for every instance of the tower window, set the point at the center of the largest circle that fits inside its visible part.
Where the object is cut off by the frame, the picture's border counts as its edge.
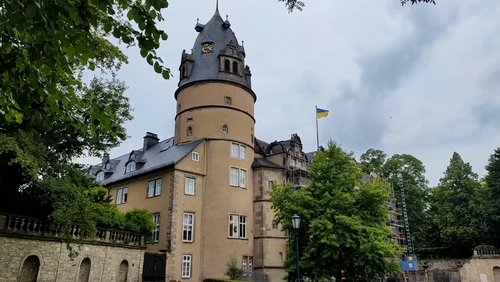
(183, 72)
(225, 128)
(235, 67)
(227, 65)
(189, 131)
(190, 119)
(228, 100)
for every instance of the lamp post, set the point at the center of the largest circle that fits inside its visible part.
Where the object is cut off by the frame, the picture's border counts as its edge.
(296, 226)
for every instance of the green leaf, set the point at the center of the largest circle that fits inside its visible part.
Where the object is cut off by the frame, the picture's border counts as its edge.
(165, 74)
(144, 52)
(31, 10)
(157, 67)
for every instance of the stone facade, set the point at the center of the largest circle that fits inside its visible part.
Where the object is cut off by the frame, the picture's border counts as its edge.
(25, 256)
(479, 268)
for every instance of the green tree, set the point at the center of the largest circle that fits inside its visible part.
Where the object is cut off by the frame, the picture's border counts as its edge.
(405, 173)
(492, 202)
(372, 161)
(455, 208)
(344, 221)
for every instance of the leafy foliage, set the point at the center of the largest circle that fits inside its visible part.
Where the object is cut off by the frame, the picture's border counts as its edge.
(233, 271)
(455, 208)
(492, 200)
(372, 161)
(343, 228)
(417, 1)
(406, 173)
(45, 46)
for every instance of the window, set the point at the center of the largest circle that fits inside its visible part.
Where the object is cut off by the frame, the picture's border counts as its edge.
(121, 196)
(156, 231)
(186, 266)
(190, 186)
(227, 65)
(235, 67)
(275, 224)
(238, 151)
(189, 131)
(130, 166)
(107, 165)
(225, 128)
(187, 227)
(237, 177)
(228, 100)
(247, 265)
(154, 188)
(99, 176)
(195, 156)
(270, 184)
(237, 226)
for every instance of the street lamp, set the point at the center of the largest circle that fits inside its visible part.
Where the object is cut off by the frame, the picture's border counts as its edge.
(296, 226)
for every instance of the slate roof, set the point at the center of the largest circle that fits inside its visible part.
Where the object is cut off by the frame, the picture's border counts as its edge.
(161, 155)
(206, 65)
(260, 162)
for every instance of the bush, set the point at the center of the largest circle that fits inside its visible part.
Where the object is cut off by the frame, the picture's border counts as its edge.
(233, 271)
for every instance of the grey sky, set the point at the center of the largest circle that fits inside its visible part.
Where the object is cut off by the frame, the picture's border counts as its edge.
(422, 79)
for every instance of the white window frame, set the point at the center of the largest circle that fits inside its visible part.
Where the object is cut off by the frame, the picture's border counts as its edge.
(156, 231)
(130, 166)
(154, 187)
(187, 261)
(238, 177)
(195, 156)
(238, 151)
(237, 226)
(190, 185)
(247, 265)
(121, 196)
(188, 227)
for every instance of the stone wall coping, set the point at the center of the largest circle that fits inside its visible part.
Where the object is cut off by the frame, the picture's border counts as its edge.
(35, 228)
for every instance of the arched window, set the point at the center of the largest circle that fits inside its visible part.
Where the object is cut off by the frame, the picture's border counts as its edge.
(189, 131)
(84, 271)
(29, 271)
(225, 128)
(123, 271)
(227, 65)
(496, 273)
(235, 67)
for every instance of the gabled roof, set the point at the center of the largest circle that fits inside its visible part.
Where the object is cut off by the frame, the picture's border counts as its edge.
(161, 155)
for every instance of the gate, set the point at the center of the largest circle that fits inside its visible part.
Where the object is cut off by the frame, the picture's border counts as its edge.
(154, 267)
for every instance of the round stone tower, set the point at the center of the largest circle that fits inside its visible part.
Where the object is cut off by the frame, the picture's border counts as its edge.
(215, 102)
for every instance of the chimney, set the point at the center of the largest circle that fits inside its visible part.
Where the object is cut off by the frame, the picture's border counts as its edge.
(105, 158)
(149, 140)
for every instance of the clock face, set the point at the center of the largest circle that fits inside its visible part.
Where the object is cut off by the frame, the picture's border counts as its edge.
(206, 47)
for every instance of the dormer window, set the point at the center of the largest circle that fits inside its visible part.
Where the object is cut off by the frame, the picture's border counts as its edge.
(107, 166)
(130, 166)
(99, 176)
(227, 65)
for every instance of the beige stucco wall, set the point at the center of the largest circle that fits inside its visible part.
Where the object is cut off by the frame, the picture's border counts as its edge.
(221, 200)
(137, 198)
(204, 104)
(55, 264)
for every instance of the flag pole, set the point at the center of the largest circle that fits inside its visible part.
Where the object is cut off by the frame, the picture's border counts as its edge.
(317, 132)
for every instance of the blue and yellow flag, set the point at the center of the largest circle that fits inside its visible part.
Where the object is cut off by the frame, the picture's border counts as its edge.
(320, 113)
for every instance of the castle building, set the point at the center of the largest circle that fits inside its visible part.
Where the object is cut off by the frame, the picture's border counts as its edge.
(208, 185)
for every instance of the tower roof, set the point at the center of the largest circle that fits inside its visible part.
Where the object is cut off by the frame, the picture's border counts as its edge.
(206, 65)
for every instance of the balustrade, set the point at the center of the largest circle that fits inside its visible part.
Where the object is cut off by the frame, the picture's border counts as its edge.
(27, 226)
